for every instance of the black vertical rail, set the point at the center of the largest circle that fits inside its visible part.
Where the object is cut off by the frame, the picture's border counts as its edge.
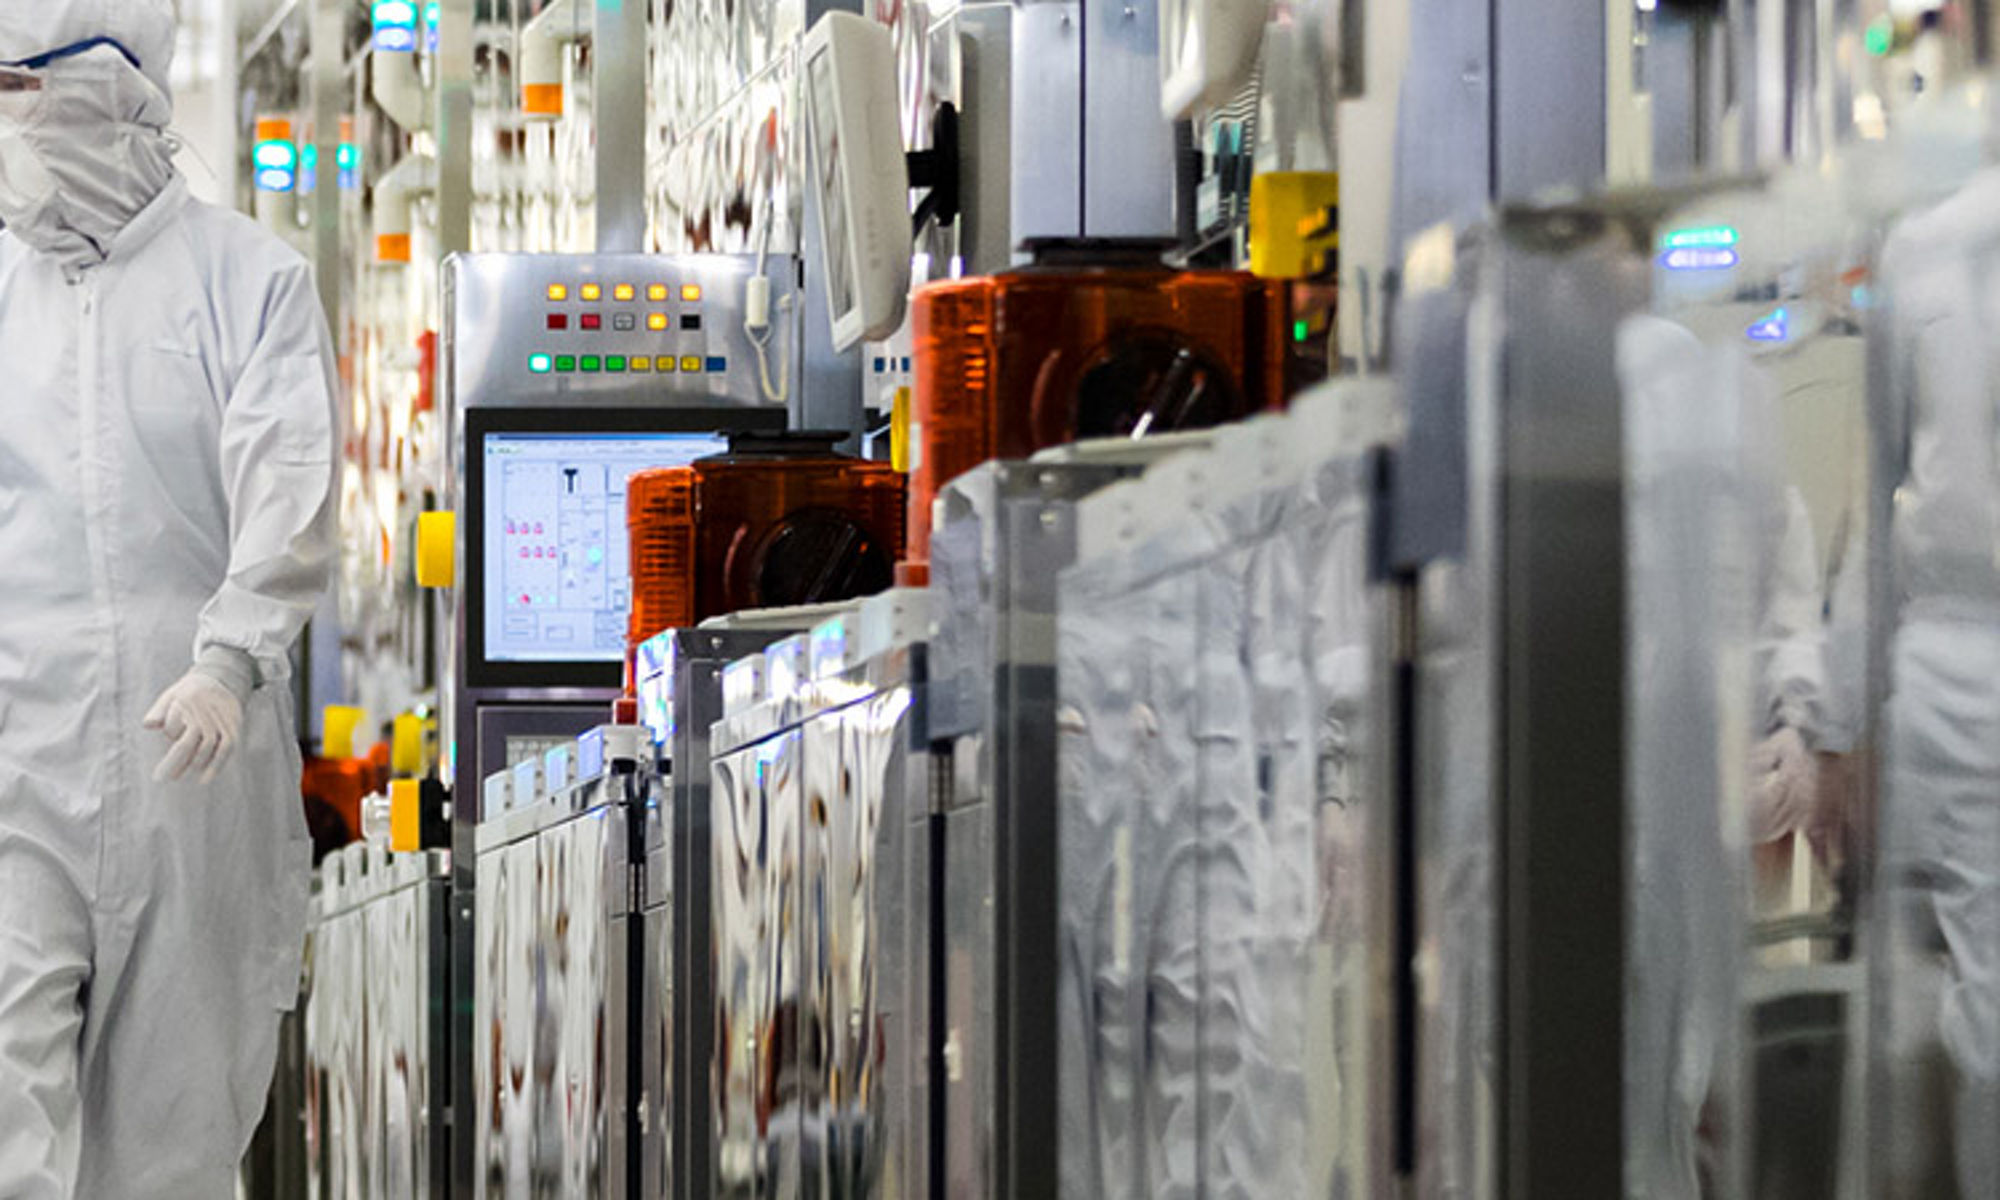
(1568, 282)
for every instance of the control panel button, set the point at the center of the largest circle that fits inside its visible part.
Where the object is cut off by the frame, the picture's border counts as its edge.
(565, 363)
(624, 322)
(541, 364)
(593, 292)
(657, 293)
(691, 323)
(717, 366)
(592, 364)
(558, 320)
(642, 365)
(623, 293)
(657, 322)
(558, 292)
(691, 293)
(615, 363)
(592, 321)
(690, 365)
(667, 364)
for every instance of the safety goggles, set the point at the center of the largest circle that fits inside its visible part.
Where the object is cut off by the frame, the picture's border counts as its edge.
(42, 62)
(22, 82)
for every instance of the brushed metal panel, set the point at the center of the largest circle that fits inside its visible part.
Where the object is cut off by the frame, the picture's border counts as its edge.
(827, 798)
(498, 310)
(783, 1083)
(1047, 66)
(738, 925)
(1128, 145)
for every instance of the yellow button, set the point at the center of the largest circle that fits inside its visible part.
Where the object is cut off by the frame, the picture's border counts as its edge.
(657, 292)
(336, 733)
(558, 291)
(406, 745)
(406, 816)
(623, 291)
(592, 291)
(669, 364)
(691, 293)
(656, 322)
(437, 549)
(690, 365)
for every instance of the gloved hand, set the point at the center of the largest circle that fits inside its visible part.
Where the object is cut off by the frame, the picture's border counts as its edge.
(1784, 780)
(202, 715)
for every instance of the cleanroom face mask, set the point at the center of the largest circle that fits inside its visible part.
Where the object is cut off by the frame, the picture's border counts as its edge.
(82, 147)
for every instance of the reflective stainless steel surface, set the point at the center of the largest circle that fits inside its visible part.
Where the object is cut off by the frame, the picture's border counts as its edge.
(821, 939)
(372, 1021)
(1226, 888)
(551, 971)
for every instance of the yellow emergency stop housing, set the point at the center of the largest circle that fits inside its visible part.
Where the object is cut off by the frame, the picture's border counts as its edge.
(437, 549)
(406, 815)
(1294, 223)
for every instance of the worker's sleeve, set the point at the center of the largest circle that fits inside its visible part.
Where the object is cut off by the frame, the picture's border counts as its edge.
(279, 429)
(1792, 632)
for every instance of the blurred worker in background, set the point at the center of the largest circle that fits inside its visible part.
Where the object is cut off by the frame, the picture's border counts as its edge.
(1942, 819)
(167, 430)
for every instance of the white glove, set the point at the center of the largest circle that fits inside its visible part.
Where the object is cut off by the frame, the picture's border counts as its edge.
(1784, 794)
(202, 715)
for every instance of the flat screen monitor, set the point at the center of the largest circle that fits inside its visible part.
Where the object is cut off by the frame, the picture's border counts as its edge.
(548, 553)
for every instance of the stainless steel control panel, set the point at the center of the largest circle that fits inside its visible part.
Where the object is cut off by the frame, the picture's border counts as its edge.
(643, 329)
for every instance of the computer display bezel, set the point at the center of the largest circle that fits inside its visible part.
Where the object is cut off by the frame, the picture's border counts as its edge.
(484, 672)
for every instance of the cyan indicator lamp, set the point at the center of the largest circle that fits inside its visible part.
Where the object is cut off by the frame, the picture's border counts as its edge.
(396, 26)
(276, 163)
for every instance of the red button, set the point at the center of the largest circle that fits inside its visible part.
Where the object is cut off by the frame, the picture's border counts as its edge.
(592, 321)
(558, 320)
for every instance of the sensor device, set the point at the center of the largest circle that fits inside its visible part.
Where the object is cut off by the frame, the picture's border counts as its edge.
(861, 175)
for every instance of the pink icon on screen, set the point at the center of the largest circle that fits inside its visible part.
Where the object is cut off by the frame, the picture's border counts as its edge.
(524, 552)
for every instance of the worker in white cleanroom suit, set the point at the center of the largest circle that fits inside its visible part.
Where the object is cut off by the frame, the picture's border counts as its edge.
(1941, 277)
(167, 437)
(1724, 605)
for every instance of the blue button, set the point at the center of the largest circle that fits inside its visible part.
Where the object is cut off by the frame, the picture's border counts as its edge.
(717, 365)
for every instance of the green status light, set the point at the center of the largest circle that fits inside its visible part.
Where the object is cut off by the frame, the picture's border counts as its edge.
(565, 363)
(1881, 36)
(615, 363)
(541, 364)
(1701, 238)
(592, 363)
(1301, 330)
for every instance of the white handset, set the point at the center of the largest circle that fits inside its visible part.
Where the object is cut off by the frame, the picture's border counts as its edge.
(861, 175)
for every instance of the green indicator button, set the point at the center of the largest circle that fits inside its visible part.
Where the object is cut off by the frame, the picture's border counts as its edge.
(1301, 330)
(1881, 35)
(592, 363)
(565, 362)
(541, 364)
(615, 363)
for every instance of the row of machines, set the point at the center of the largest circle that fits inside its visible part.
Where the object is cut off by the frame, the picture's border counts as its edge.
(904, 897)
(694, 934)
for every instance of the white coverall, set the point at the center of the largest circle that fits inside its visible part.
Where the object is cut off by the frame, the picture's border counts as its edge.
(1724, 608)
(1942, 818)
(167, 433)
